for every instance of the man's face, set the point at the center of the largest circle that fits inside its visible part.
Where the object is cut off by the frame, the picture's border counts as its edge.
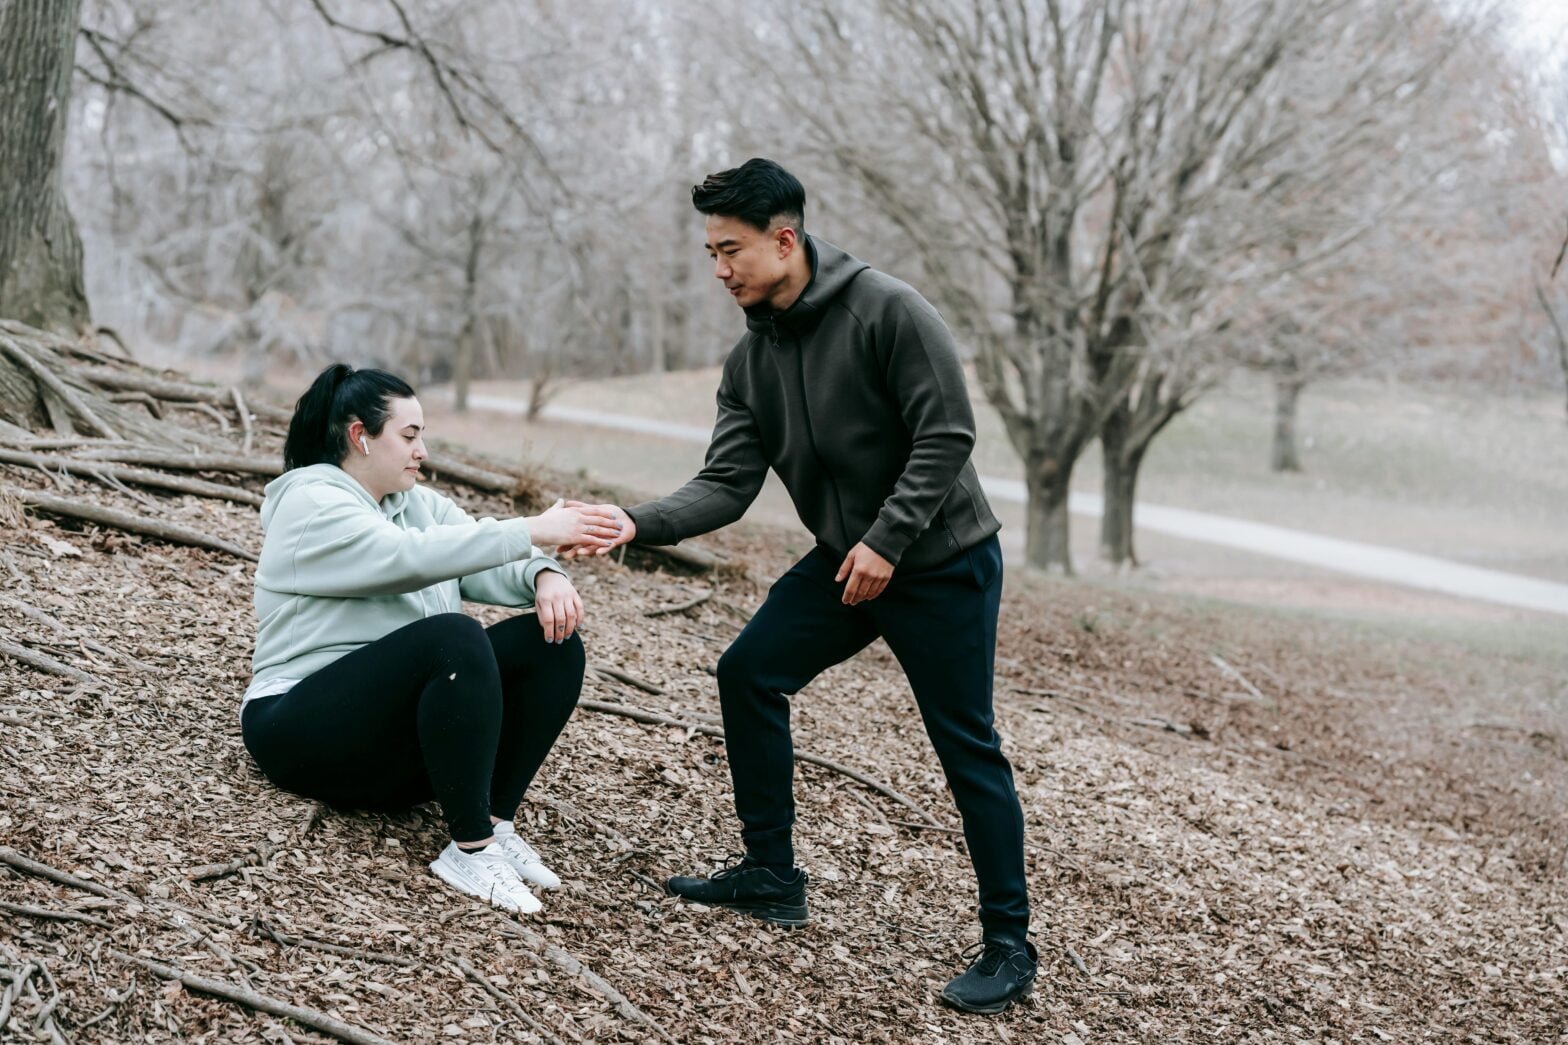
(748, 261)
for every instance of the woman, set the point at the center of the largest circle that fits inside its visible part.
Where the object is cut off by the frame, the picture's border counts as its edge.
(371, 689)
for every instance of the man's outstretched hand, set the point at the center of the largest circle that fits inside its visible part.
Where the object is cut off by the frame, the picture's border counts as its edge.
(868, 575)
(627, 530)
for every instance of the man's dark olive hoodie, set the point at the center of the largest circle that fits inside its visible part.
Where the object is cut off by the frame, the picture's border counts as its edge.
(855, 396)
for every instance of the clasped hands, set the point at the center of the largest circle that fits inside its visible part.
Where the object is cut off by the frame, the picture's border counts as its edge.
(607, 526)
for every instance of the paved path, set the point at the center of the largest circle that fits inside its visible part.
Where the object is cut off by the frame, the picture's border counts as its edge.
(1352, 557)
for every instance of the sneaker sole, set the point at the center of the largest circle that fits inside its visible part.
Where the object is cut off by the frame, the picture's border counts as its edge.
(789, 916)
(463, 887)
(987, 1010)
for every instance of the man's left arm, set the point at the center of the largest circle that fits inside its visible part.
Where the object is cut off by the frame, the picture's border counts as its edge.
(926, 381)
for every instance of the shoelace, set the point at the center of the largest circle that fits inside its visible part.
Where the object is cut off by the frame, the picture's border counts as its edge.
(528, 851)
(986, 957)
(742, 863)
(500, 873)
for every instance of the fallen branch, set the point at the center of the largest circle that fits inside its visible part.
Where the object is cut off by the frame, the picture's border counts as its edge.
(1078, 962)
(570, 964)
(911, 826)
(27, 865)
(257, 1002)
(691, 557)
(653, 718)
(664, 611)
(188, 462)
(207, 872)
(167, 389)
(44, 662)
(50, 915)
(32, 612)
(154, 406)
(28, 441)
(128, 521)
(312, 816)
(288, 940)
(571, 812)
(43, 1021)
(138, 476)
(443, 466)
(115, 1001)
(631, 680)
(14, 991)
(204, 408)
(1257, 694)
(1164, 725)
(505, 999)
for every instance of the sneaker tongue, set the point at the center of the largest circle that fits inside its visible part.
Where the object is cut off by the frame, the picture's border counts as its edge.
(991, 959)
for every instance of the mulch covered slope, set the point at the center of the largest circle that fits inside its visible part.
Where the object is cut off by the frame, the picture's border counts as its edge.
(1240, 829)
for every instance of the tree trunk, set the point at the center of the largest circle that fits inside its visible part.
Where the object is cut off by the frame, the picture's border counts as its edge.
(463, 365)
(1046, 540)
(41, 280)
(1121, 459)
(1557, 328)
(1288, 384)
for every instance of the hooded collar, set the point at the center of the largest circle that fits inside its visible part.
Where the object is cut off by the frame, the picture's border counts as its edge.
(391, 506)
(832, 270)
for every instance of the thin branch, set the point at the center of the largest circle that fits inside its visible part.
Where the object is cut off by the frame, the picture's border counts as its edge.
(43, 662)
(252, 1000)
(505, 999)
(127, 521)
(573, 966)
(681, 607)
(138, 476)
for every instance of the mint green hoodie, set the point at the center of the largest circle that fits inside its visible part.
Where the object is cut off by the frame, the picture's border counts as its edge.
(339, 571)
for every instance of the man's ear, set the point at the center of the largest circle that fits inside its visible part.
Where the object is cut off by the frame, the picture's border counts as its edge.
(788, 240)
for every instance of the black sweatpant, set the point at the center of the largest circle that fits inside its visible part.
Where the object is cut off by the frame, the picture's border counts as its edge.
(442, 708)
(941, 625)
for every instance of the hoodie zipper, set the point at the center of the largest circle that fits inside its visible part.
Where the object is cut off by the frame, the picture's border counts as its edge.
(811, 433)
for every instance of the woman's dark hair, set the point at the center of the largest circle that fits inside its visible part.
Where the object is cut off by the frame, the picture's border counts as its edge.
(318, 432)
(757, 192)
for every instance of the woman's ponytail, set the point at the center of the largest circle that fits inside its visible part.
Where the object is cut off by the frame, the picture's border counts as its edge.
(318, 431)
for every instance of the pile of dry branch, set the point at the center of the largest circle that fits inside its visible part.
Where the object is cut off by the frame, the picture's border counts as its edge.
(1239, 828)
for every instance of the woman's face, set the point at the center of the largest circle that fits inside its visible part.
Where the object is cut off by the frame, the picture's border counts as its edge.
(392, 462)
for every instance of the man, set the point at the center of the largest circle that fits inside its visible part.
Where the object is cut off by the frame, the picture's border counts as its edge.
(848, 385)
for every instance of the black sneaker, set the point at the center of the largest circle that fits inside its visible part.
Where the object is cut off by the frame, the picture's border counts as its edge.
(751, 888)
(1003, 973)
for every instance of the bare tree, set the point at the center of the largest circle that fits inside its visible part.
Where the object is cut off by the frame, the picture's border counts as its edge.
(1098, 192)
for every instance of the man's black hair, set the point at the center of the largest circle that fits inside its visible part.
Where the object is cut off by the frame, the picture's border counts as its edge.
(758, 192)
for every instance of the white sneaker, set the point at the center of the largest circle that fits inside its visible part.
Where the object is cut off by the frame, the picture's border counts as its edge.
(487, 874)
(525, 861)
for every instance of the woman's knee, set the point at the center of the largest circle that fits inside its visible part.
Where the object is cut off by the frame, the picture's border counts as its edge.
(457, 635)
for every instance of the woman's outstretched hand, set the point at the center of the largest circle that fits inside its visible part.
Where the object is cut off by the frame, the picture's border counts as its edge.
(591, 526)
(560, 607)
(625, 531)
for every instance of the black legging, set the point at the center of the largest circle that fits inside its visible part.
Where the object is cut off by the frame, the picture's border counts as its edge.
(442, 708)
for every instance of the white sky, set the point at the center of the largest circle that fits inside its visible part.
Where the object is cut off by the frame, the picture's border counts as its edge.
(1542, 24)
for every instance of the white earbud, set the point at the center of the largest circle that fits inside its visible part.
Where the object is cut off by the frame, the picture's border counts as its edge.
(365, 444)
